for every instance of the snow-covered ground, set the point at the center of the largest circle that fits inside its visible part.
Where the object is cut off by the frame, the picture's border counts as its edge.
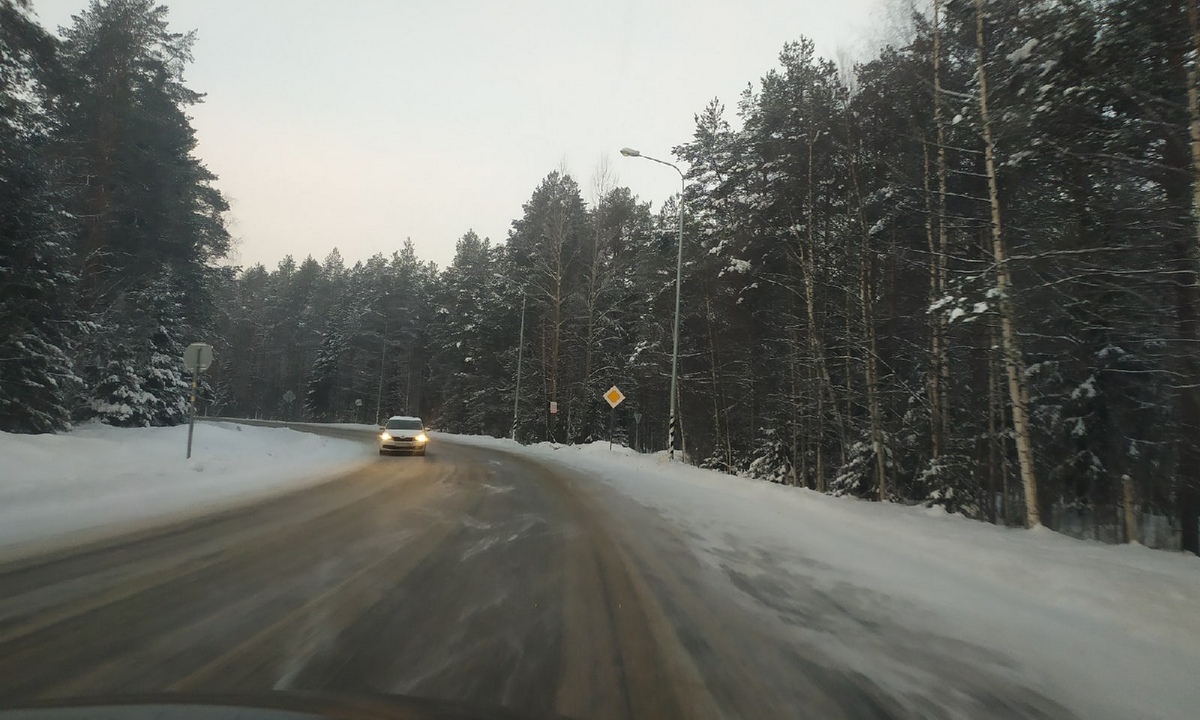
(98, 476)
(1107, 631)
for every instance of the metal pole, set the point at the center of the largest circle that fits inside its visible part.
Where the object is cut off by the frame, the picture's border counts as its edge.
(612, 419)
(675, 347)
(192, 418)
(382, 365)
(672, 422)
(520, 352)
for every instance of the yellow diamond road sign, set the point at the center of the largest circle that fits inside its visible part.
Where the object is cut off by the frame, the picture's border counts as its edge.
(614, 396)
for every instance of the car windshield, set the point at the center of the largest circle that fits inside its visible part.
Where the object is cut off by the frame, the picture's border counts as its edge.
(781, 358)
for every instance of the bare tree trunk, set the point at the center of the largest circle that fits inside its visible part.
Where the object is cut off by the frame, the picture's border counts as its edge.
(715, 379)
(866, 296)
(849, 355)
(97, 233)
(943, 327)
(871, 371)
(816, 344)
(1193, 95)
(794, 403)
(992, 428)
(1131, 530)
(935, 354)
(1006, 506)
(556, 236)
(820, 440)
(682, 434)
(544, 347)
(939, 380)
(602, 184)
(1013, 359)
(724, 400)
(723, 427)
(556, 341)
(1188, 468)
(589, 341)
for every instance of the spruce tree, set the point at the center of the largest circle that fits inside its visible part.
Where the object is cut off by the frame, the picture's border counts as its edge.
(37, 317)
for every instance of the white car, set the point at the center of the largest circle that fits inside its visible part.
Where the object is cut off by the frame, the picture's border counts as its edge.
(403, 434)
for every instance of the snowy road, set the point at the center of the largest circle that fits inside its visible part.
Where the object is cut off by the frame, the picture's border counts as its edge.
(487, 578)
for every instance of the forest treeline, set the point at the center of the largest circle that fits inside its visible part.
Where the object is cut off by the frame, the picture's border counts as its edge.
(963, 273)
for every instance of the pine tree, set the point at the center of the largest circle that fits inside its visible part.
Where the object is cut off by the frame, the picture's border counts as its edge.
(117, 397)
(142, 381)
(457, 334)
(148, 202)
(37, 321)
(546, 248)
(149, 213)
(321, 398)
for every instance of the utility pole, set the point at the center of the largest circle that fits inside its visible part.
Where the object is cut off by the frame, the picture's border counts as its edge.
(520, 352)
(382, 365)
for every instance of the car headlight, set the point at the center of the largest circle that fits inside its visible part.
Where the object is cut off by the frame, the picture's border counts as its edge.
(385, 436)
(422, 438)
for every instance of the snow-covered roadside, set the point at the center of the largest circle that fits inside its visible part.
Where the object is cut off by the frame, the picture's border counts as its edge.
(96, 476)
(1107, 631)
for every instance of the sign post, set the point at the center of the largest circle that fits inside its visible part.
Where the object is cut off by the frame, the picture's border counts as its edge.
(637, 430)
(358, 410)
(197, 357)
(289, 397)
(614, 396)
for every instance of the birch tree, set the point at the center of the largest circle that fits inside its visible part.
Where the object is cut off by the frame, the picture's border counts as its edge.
(1014, 360)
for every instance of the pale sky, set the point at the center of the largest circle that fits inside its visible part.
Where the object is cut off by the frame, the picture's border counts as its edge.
(359, 123)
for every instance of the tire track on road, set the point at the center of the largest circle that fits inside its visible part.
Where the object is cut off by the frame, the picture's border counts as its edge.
(154, 604)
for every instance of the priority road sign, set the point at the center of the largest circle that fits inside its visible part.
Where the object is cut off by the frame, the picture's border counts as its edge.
(614, 396)
(197, 356)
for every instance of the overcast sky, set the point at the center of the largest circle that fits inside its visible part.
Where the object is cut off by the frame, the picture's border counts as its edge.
(358, 123)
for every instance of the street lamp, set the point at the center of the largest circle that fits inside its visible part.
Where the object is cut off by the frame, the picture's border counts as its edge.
(630, 152)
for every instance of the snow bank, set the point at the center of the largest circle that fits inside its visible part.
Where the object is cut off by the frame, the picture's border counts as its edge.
(367, 427)
(98, 476)
(1109, 631)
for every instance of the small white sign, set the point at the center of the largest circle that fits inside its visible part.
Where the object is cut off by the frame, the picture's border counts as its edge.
(553, 407)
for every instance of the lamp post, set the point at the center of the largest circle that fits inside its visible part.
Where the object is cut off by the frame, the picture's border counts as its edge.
(630, 152)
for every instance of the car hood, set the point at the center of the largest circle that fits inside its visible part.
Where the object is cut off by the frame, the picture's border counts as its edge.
(268, 706)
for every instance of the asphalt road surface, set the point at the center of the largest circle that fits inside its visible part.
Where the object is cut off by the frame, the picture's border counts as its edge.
(470, 575)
